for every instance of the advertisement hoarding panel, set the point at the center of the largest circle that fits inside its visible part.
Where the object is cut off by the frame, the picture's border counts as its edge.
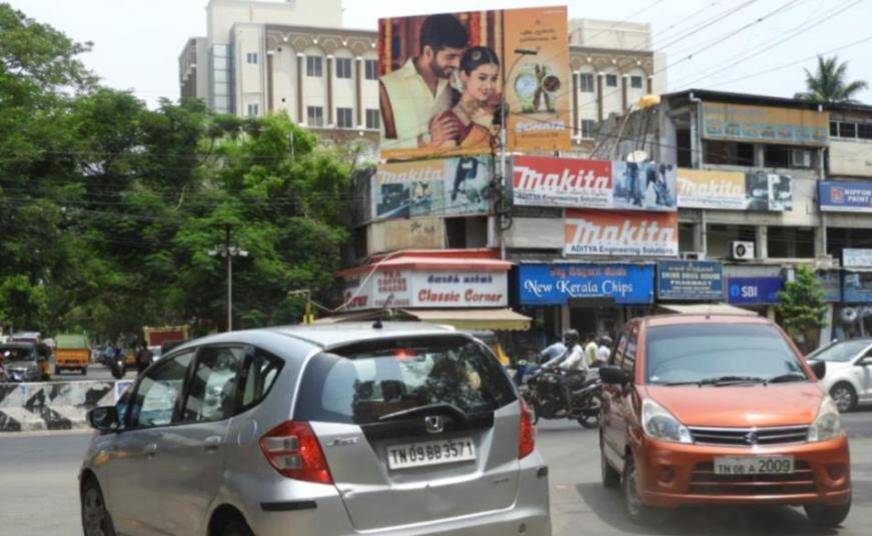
(624, 233)
(690, 280)
(835, 196)
(754, 290)
(739, 122)
(856, 258)
(426, 289)
(729, 190)
(556, 284)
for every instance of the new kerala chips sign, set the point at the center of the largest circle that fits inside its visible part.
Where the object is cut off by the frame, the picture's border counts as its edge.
(621, 233)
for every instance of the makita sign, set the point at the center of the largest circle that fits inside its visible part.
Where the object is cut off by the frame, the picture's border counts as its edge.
(562, 182)
(621, 233)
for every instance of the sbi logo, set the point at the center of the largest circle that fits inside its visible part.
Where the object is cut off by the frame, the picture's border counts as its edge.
(743, 291)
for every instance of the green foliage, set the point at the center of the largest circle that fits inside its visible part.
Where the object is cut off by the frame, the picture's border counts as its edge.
(108, 209)
(829, 84)
(801, 307)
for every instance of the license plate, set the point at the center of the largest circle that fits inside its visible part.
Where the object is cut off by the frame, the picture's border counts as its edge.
(754, 465)
(430, 453)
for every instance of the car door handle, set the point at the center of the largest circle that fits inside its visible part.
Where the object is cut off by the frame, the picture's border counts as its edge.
(150, 450)
(212, 443)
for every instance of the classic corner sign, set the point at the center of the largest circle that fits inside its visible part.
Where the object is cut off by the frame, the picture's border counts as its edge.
(690, 280)
(556, 284)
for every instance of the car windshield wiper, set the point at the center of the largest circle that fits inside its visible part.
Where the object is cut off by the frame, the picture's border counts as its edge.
(729, 380)
(424, 409)
(789, 377)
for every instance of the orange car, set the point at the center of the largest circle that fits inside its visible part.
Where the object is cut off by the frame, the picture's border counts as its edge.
(719, 409)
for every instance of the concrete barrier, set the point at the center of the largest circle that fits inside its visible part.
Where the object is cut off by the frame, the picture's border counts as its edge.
(28, 407)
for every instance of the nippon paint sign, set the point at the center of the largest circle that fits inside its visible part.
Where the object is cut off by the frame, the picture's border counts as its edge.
(636, 234)
(426, 289)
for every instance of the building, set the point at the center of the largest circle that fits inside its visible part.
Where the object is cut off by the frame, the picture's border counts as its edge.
(260, 57)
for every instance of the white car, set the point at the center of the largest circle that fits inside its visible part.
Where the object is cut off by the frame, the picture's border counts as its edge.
(849, 371)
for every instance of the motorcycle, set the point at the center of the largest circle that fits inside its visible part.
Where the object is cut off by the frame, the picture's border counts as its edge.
(542, 393)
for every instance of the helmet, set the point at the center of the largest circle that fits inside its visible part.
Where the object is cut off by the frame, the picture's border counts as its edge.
(605, 340)
(571, 336)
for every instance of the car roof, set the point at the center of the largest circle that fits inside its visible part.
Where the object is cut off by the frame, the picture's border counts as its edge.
(691, 319)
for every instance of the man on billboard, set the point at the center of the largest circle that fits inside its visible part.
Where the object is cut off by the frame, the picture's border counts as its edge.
(410, 96)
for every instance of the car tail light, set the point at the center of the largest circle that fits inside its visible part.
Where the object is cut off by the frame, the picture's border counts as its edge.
(293, 450)
(527, 433)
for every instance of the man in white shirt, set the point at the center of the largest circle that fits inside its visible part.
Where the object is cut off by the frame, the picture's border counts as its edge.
(604, 352)
(571, 363)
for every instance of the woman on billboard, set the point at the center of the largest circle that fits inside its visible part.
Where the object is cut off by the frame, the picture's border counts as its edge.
(474, 108)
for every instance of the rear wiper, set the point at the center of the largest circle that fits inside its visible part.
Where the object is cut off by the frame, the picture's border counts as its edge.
(730, 380)
(789, 377)
(424, 409)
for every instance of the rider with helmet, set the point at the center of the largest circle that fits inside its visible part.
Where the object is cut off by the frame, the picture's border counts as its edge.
(571, 363)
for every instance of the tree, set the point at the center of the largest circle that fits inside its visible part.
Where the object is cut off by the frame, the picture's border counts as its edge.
(829, 84)
(802, 308)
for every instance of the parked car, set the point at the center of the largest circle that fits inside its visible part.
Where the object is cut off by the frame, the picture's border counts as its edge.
(409, 429)
(849, 371)
(720, 409)
(23, 361)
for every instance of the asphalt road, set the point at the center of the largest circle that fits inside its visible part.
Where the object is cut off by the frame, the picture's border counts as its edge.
(38, 490)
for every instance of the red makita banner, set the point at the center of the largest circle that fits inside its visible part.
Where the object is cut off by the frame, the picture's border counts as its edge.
(593, 232)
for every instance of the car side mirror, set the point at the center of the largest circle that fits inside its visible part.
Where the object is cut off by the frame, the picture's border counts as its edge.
(613, 375)
(103, 418)
(819, 368)
(865, 362)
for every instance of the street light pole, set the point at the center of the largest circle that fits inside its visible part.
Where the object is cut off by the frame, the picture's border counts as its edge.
(228, 252)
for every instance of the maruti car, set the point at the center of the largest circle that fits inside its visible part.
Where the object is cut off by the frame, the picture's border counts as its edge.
(22, 361)
(849, 372)
(720, 409)
(397, 429)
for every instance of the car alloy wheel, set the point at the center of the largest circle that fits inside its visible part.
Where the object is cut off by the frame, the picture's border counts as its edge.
(844, 397)
(95, 517)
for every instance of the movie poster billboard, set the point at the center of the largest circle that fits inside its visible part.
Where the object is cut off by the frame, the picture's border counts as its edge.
(578, 183)
(621, 233)
(730, 190)
(446, 82)
(444, 187)
(764, 124)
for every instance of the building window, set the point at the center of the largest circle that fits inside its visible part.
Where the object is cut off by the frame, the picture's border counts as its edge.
(850, 129)
(343, 67)
(343, 118)
(253, 110)
(612, 80)
(587, 127)
(587, 83)
(636, 82)
(251, 58)
(834, 129)
(371, 67)
(315, 116)
(373, 119)
(864, 131)
(314, 66)
(847, 130)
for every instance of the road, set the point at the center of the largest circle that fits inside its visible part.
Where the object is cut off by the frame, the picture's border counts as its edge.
(38, 490)
(96, 372)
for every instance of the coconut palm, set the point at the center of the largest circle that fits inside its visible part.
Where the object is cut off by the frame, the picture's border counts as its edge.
(828, 84)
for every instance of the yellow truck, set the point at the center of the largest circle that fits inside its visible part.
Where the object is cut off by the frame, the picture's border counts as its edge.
(72, 352)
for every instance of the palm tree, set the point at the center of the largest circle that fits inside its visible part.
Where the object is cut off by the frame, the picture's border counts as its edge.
(828, 83)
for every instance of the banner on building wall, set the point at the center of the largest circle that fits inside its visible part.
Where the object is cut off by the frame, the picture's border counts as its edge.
(446, 187)
(412, 233)
(856, 258)
(754, 290)
(831, 281)
(857, 287)
(729, 190)
(474, 59)
(621, 233)
(835, 196)
(764, 124)
(426, 289)
(578, 183)
(556, 284)
(690, 280)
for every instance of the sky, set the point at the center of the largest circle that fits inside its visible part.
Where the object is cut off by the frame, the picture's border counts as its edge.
(749, 46)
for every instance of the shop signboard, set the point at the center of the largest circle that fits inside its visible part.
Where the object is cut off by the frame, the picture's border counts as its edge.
(835, 196)
(764, 124)
(857, 258)
(621, 233)
(578, 183)
(831, 281)
(690, 280)
(754, 290)
(426, 289)
(446, 187)
(513, 63)
(857, 287)
(731, 190)
(557, 284)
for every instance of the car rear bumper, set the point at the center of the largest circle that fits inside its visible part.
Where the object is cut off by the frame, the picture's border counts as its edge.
(673, 475)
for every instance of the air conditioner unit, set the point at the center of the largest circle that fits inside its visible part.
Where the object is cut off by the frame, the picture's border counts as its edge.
(800, 158)
(693, 255)
(742, 251)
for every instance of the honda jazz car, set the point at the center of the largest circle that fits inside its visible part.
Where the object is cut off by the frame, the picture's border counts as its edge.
(391, 429)
(720, 409)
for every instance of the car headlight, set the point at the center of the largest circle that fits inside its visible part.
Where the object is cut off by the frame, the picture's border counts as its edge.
(660, 424)
(827, 424)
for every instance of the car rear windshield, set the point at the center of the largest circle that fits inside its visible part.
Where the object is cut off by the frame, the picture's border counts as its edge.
(17, 353)
(364, 382)
(699, 352)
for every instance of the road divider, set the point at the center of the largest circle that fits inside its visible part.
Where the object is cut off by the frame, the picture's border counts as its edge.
(27, 407)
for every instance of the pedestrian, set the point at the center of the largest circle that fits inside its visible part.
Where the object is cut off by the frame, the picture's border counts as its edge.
(604, 352)
(591, 350)
(144, 356)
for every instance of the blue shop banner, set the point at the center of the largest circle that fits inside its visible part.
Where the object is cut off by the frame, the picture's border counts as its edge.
(555, 284)
(831, 281)
(857, 287)
(835, 196)
(754, 290)
(690, 280)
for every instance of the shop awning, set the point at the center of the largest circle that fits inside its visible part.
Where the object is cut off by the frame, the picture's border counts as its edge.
(494, 319)
(706, 309)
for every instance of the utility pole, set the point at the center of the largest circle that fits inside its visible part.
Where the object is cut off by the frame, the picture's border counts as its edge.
(228, 252)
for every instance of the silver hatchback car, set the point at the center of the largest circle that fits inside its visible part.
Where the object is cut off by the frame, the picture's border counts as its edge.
(350, 429)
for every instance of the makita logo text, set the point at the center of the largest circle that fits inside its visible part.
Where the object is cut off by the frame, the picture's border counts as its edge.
(628, 234)
(690, 188)
(527, 178)
(418, 174)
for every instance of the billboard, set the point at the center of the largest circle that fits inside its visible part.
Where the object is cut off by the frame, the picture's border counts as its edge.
(556, 284)
(845, 196)
(690, 280)
(856, 258)
(578, 183)
(731, 190)
(446, 187)
(754, 290)
(621, 233)
(857, 287)
(446, 81)
(738, 122)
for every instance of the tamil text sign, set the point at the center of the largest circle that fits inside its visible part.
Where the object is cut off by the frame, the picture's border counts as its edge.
(765, 124)
(845, 196)
(556, 284)
(621, 233)
(857, 258)
(689, 280)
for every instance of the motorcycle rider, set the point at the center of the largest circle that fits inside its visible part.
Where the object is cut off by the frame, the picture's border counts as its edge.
(571, 364)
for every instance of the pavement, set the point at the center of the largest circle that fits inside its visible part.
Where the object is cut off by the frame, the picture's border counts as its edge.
(39, 494)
